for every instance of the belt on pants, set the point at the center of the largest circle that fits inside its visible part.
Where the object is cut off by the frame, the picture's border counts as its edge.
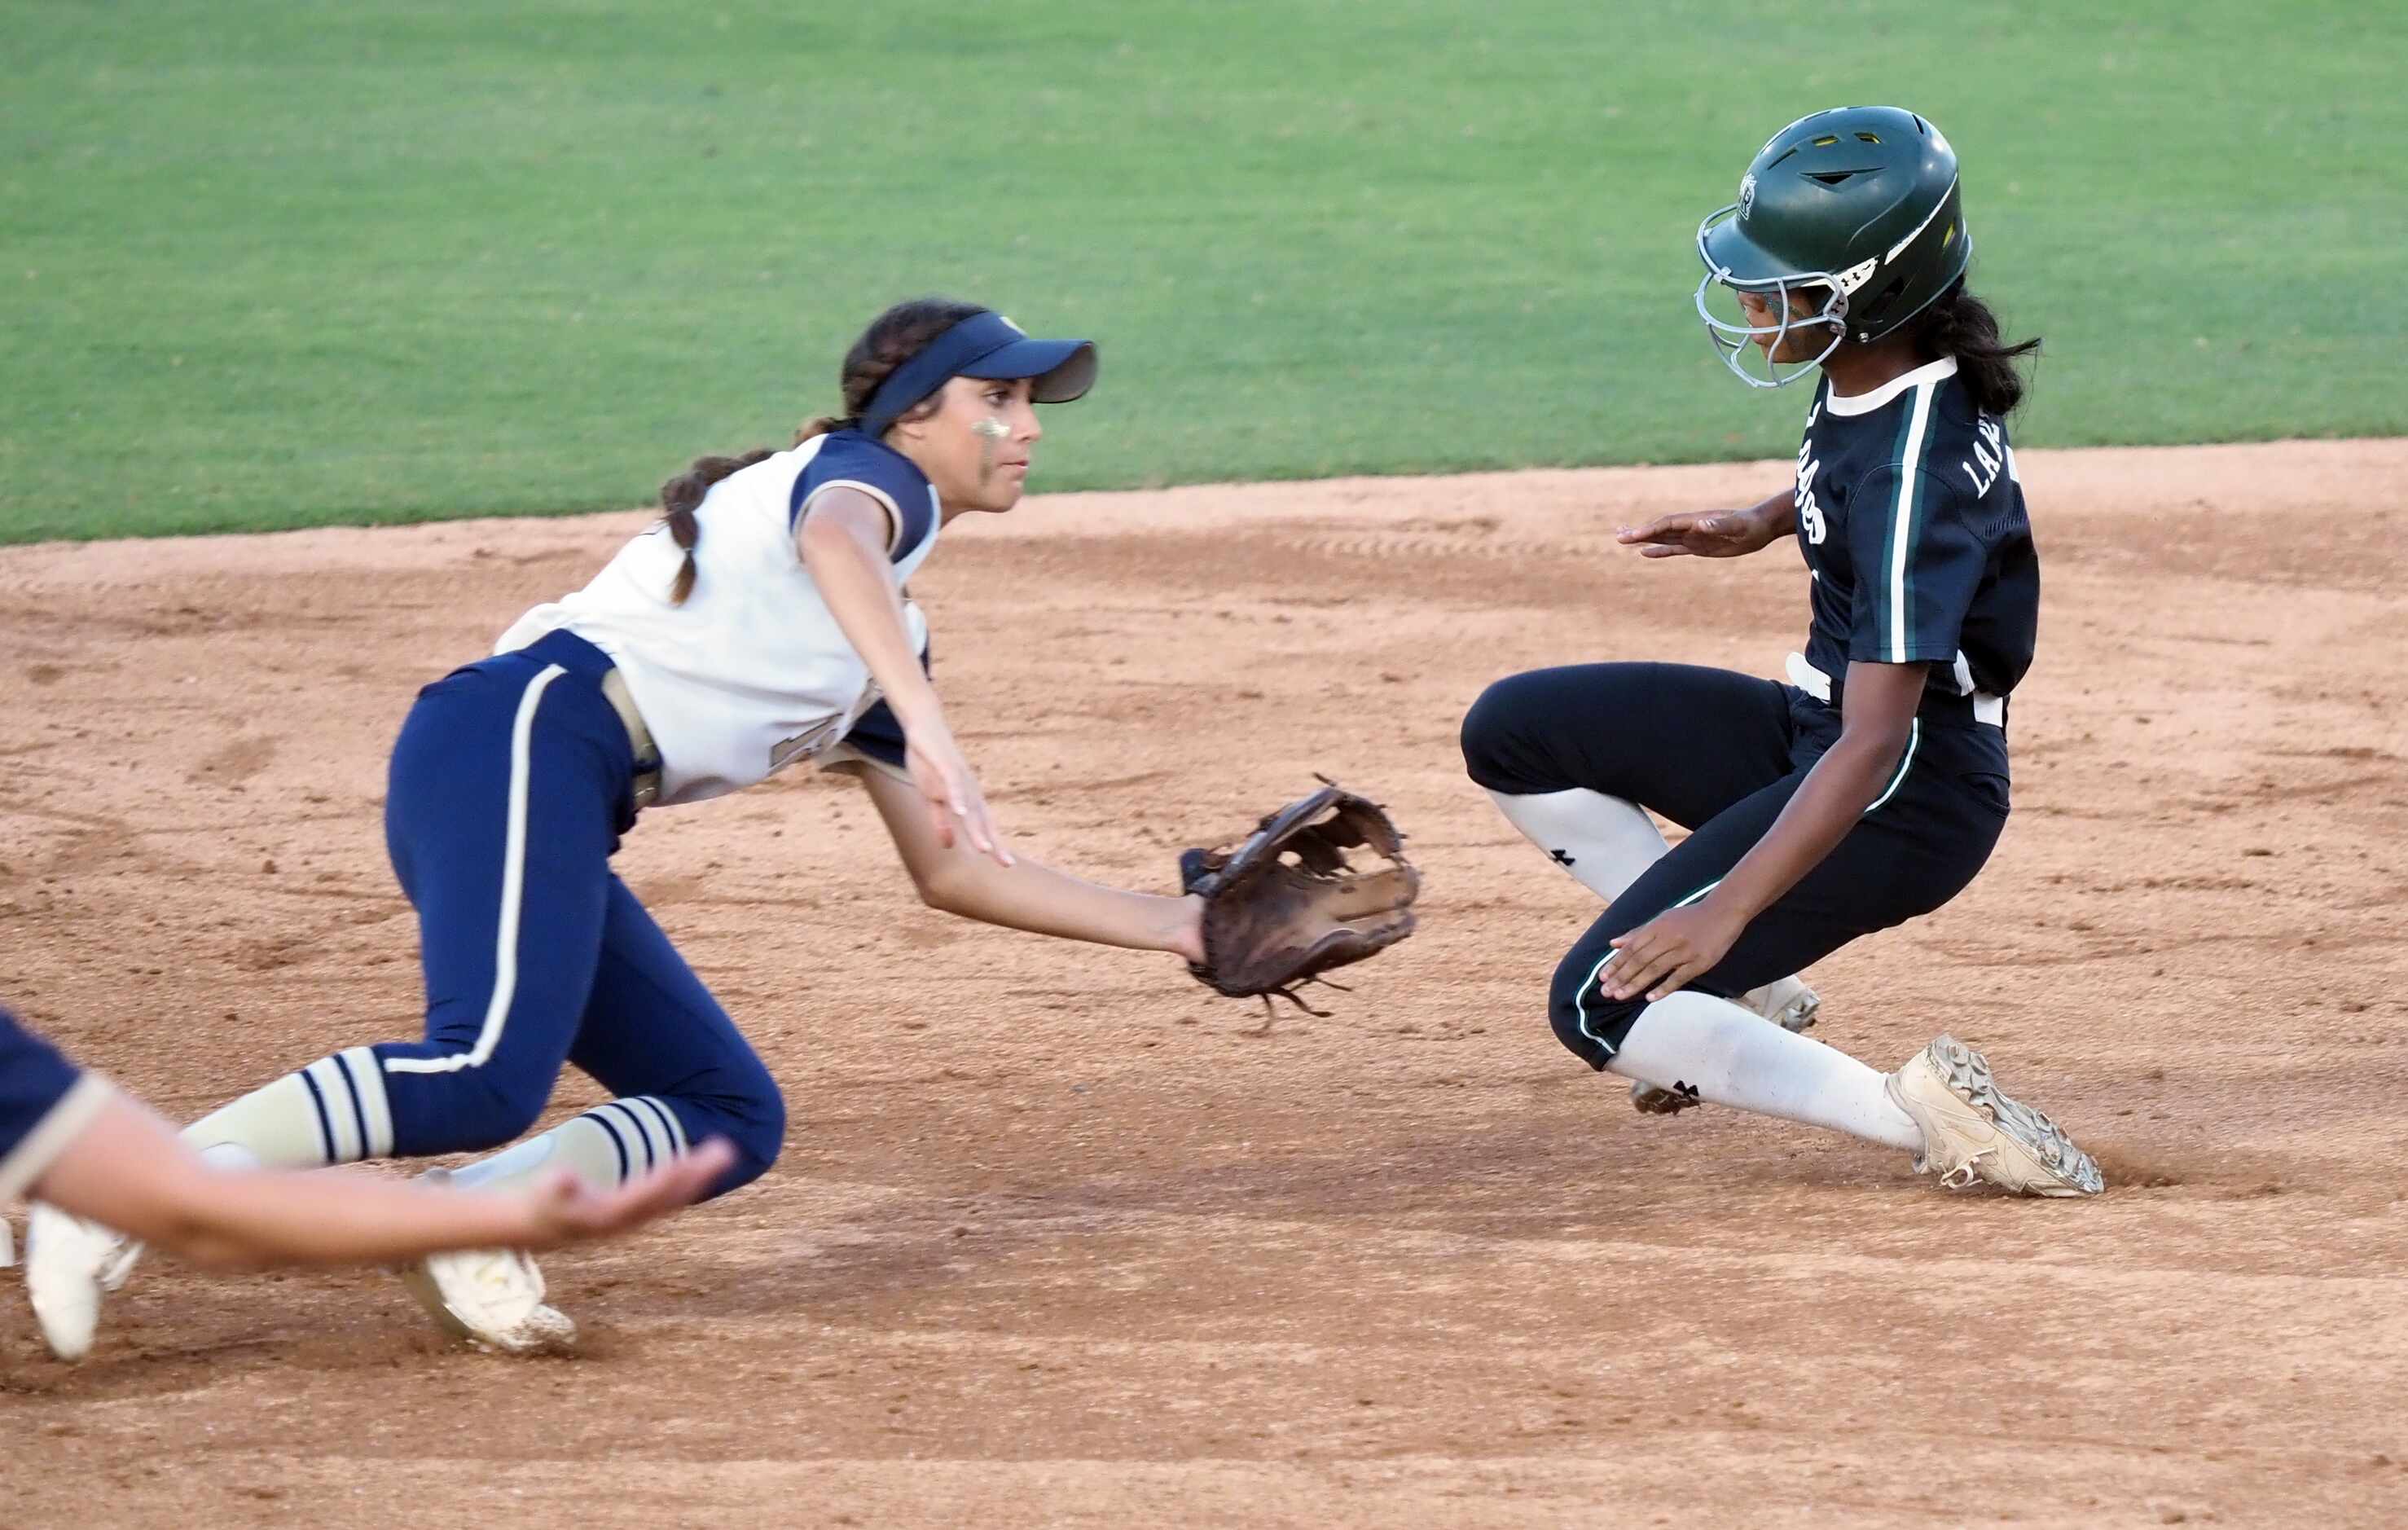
(647, 755)
(1979, 706)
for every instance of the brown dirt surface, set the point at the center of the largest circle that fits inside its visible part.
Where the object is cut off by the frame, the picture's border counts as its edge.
(1060, 1239)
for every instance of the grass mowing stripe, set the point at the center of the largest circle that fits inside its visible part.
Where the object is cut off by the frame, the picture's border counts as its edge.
(277, 264)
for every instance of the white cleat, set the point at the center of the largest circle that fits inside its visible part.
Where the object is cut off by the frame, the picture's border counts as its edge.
(491, 1297)
(1789, 1004)
(1972, 1132)
(70, 1264)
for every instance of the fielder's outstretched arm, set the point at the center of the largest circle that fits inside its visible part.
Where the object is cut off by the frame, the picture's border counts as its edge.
(1025, 896)
(843, 542)
(126, 1168)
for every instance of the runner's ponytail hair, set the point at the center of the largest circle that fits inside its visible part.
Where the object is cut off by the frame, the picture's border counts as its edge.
(1963, 325)
(892, 339)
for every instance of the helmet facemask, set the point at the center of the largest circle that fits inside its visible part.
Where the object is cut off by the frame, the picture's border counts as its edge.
(1734, 338)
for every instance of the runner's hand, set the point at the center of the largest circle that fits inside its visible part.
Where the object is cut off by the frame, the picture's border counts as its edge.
(1668, 952)
(1692, 533)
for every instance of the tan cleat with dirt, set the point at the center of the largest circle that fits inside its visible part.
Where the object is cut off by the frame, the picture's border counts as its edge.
(491, 1297)
(1789, 1004)
(1972, 1132)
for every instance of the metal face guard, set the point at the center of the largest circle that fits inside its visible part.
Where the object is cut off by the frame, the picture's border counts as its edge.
(1735, 342)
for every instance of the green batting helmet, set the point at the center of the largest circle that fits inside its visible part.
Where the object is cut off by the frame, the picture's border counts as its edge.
(1861, 201)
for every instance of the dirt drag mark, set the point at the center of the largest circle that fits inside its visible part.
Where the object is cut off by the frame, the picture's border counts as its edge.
(1059, 1240)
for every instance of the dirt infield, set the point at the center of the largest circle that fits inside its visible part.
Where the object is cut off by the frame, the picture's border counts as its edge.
(1057, 1239)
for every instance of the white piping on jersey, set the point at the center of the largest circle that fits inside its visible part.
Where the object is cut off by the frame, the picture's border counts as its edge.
(1913, 738)
(1850, 403)
(506, 933)
(1909, 476)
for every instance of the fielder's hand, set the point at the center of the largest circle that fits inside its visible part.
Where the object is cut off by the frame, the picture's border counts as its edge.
(943, 776)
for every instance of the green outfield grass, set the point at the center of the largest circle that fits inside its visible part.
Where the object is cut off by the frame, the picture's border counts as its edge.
(274, 264)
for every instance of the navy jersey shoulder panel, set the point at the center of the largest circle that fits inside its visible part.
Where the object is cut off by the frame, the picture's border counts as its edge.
(848, 456)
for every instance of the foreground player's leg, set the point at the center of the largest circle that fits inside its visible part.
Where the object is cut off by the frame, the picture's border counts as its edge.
(1699, 1048)
(499, 818)
(651, 1031)
(1943, 1105)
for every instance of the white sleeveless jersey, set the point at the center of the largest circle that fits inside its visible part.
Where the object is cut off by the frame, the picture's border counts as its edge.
(752, 673)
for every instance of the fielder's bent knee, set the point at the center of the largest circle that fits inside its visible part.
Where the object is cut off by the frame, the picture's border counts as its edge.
(758, 1139)
(752, 1119)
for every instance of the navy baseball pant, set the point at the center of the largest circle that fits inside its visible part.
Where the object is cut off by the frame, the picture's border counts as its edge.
(1720, 754)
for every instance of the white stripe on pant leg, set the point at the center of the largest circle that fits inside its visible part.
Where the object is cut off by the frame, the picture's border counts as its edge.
(362, 1061)
(505, 937)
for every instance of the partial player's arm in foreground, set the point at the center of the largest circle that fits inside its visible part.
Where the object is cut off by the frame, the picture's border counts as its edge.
(130, 1170)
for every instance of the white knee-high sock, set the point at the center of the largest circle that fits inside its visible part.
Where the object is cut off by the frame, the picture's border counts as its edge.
(605, 1146)
(332, 1112)
(1604, 842)
(1710, 1047)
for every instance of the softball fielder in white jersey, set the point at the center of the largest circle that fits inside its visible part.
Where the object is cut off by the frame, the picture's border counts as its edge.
(761, 623)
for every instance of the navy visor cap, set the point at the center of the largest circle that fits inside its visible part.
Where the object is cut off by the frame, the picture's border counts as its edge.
(985, 345)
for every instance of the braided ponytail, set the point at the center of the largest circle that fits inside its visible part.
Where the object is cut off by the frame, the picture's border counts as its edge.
(1963, 325)
(681, 495)
(892, 339)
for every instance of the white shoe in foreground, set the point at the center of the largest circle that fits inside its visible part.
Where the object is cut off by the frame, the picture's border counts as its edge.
(491, 1297)
(70, 1264)
(1971, 1131)
(1789, 1004)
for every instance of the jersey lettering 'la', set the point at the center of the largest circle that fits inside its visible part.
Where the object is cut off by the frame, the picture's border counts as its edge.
(1911, 521)
(751, 672)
